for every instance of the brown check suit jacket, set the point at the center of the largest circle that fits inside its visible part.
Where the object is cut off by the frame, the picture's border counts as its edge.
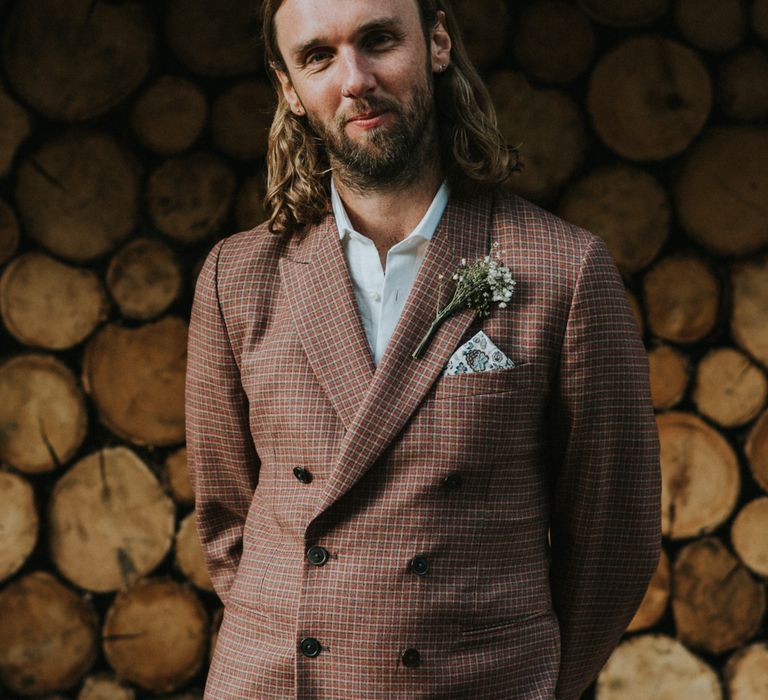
(280, 376)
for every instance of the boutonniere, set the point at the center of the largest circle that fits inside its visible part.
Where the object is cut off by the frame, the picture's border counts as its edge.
(478, 285)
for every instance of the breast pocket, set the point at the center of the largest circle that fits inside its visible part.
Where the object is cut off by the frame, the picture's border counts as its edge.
(493, 381)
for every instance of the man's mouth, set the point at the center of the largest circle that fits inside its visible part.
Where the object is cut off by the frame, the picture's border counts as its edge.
(370, 119)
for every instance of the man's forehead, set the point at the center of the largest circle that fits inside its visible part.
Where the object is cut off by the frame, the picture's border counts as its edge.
(301, 21)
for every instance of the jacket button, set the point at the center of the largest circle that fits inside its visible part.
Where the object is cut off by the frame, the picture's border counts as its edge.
(452, 481)
(310, 646)
(419, 565)
(302, 475)
(317, 555)
(411, 658)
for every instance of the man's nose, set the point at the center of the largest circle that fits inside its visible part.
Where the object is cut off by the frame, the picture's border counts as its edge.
(357, 77)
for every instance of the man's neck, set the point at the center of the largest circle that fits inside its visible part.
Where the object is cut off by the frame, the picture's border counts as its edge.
(386, 216)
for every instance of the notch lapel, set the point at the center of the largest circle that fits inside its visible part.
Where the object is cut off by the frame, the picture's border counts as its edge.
(386, 396)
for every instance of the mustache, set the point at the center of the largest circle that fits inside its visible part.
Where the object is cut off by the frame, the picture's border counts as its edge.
(369, 104)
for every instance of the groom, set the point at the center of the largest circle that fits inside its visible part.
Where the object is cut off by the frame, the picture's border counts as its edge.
(479, 520)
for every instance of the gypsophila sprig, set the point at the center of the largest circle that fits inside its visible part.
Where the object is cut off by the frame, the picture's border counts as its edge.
(478, 285)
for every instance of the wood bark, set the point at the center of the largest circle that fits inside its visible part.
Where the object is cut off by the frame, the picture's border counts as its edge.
(78, 194)
(700, 476)
(649, 97)
(48, 304)
(155, 634)
(109, 521)
(76, 59)
(49, 633)
(43, 417)
(722, 191)
(135, 377)
(625, 206)
(18, 522)
(717, 604)
(682, 298)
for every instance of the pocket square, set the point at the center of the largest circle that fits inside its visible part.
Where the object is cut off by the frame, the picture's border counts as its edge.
(478, 354)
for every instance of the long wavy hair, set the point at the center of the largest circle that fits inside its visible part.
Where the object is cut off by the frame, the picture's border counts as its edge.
(472, 149)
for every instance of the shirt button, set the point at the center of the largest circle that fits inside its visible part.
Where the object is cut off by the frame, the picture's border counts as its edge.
(452, 481)
(317, 555)
(302, 475)
(419, 565)
(411, 658)
(310, 646)
(375, 295)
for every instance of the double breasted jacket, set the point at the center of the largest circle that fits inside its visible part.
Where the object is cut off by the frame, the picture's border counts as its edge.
(393, 532)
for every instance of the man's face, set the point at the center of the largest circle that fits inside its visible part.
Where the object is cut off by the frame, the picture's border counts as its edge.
(361, 72)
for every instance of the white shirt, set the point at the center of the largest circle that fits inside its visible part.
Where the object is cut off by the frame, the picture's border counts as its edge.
(380, 293)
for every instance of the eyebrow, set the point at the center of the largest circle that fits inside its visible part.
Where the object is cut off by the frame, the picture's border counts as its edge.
(375, 24)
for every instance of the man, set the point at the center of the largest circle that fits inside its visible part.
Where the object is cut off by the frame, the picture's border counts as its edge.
(375, 522)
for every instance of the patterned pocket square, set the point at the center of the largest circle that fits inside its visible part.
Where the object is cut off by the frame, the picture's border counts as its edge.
(478, 354)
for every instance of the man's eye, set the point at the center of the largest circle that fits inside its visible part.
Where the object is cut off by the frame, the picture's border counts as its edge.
(317, 57)
(380, 39)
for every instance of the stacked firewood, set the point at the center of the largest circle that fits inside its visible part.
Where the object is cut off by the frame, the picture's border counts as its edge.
(132, 138)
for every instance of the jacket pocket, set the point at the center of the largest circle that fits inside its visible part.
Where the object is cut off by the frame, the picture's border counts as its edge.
(502, 626)
(489, 382)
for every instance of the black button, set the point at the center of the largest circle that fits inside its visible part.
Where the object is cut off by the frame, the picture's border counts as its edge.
(411, 658)
(310, 646)
(419, 565)
(452, 481)
(317, 555)
(302, 475)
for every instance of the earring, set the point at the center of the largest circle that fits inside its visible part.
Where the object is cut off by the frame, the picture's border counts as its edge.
(442, 67)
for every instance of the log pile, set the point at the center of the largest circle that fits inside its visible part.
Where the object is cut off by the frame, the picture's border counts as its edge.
(133, 137)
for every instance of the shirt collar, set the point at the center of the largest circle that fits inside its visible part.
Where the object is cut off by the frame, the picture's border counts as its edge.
(425, 228)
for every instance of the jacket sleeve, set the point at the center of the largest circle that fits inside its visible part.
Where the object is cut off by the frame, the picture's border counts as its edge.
(222, 461)
(605, 526)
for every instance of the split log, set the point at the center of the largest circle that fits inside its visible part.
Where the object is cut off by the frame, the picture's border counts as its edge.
(48, 304)
(78, 194)
(104, 686)
(716, 603)
(43, 419)
(9, 232)
(484, 27)
(700, 476)
(656, 667)
(656, 597)
(76, 59)
(249, 204)
(712, 25)
(144, 278)
(109, 521)
(189, 554)
(170, 115)
(748, 535)
(722, 191)
(756, 450)
(14, 128)
(155, 634)
(49, 633)
(746, 673)
(553, 41)
(760, 18)
(241, 118)
(628, 13)
(189, 196)
(649, 97)
(729, 388)
(135, 376)
(682, 297)
(548, 124)
(743, 85)
(213, 42)
(626, 207)
(749, 282)
(668, 370)
(177, 477)
(18, 523)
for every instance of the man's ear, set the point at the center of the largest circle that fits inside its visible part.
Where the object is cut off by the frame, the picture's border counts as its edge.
(440, 44)
(289, 93)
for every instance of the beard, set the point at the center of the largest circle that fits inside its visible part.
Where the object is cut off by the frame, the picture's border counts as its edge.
(388, 156)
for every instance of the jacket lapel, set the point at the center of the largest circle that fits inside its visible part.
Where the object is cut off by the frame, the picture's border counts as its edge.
(376, 402)
(316, 280)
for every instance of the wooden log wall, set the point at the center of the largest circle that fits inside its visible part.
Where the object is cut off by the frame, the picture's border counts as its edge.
(132, 138)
